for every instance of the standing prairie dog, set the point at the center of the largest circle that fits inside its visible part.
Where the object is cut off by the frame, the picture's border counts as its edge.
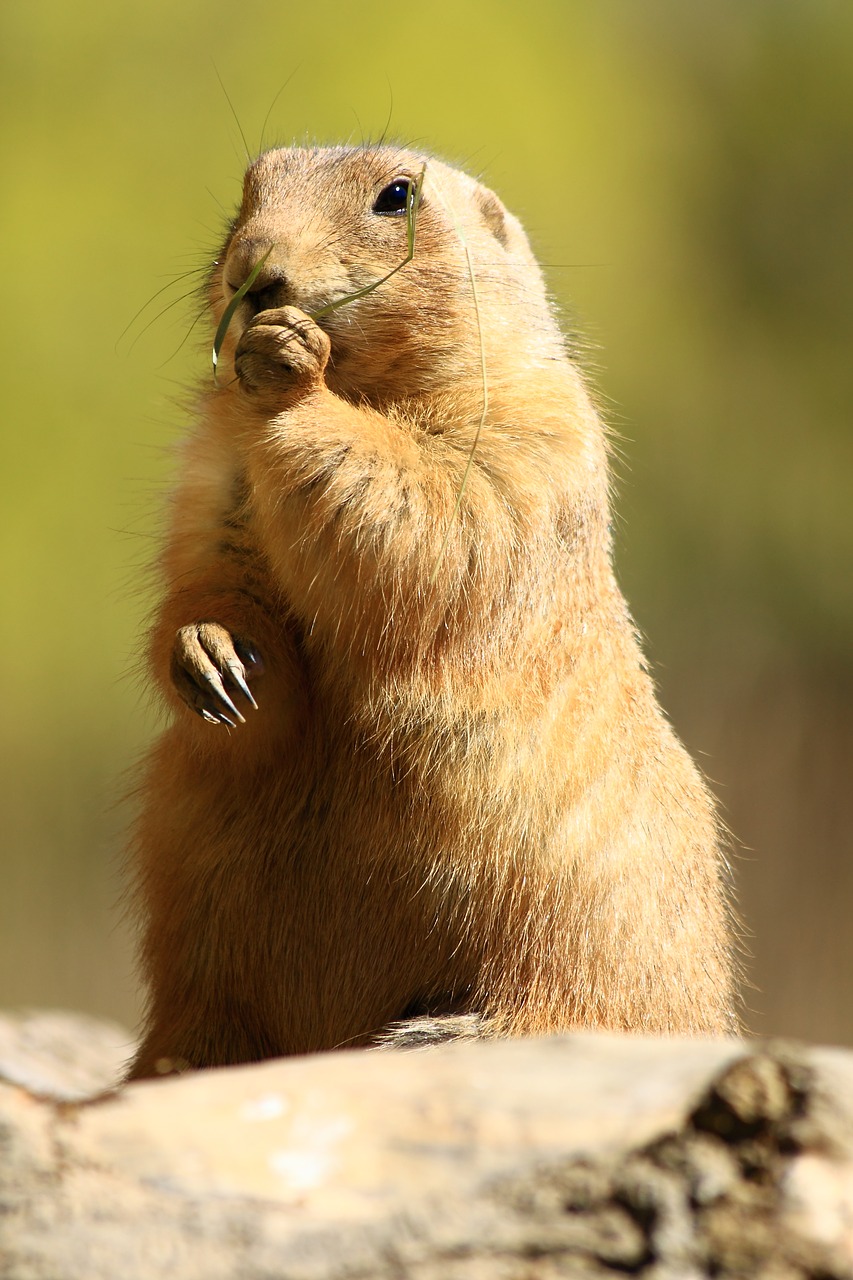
(456, 793)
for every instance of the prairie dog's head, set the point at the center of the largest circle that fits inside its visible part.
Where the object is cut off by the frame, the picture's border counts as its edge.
(333, 221)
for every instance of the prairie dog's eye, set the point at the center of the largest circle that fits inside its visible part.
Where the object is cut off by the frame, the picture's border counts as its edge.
(394, 198)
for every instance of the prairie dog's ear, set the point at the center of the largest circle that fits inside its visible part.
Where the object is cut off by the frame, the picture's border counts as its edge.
(494, 215)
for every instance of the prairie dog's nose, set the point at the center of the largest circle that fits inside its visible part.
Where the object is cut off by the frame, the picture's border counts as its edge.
(270, 287)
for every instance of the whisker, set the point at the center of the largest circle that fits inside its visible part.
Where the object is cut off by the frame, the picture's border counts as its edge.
(183, 297)
(274, 101)
(176, 279)
(233, 112)
(383, 136)
(202, 314)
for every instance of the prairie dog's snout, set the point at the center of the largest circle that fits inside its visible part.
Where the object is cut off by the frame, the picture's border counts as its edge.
(270, 287)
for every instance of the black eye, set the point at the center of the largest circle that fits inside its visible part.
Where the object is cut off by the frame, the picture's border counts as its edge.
(394, 198)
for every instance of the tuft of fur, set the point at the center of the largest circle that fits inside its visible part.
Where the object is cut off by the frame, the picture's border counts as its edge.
(426, 1032)
(457, 793)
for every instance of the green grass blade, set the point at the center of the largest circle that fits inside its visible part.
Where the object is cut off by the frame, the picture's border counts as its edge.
(484, 413)
(412, 202)
(228, 313)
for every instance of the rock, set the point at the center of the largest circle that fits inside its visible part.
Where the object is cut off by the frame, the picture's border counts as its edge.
(582, 1155)
(67, 1056)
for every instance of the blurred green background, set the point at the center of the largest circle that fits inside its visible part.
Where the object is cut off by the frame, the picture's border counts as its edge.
(685, 171)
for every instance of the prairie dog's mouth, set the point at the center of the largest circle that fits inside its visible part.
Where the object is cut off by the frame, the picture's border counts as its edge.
(320, 305)
(260, 296)
(248, 307)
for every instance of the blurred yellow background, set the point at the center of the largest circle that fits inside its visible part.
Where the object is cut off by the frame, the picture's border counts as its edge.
(685, 172)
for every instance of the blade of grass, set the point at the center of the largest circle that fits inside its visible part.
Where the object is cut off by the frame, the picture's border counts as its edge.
(412, 201)
(228, 313)
(484, 412)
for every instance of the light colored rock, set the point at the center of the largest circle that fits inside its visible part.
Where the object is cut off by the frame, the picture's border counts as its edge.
(349, 1132)
(818, 1201)
(61, 1055)
(520, 1160)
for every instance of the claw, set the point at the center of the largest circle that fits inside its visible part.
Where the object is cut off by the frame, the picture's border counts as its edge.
(250, 658)
(216, 717)
(237, 676)
(215, 682)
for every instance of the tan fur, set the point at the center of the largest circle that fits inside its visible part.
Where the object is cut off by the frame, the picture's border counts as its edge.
(458, 794)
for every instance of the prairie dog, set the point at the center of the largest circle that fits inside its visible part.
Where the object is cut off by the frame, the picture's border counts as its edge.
(457, 794)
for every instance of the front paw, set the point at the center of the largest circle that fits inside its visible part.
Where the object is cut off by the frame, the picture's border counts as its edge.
(281, 352)
(208, 666)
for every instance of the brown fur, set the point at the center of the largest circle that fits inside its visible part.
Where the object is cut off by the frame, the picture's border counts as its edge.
(458, 794)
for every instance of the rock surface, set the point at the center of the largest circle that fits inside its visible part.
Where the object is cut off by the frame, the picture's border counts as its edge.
(66, 1056)
(579, 1156)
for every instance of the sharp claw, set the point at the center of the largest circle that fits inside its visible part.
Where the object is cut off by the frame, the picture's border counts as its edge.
(216, 717)
(215, 682)
(252, 659)
(237, 676)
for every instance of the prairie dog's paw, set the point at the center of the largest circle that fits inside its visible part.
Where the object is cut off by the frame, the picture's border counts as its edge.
(280, 352)
(208, 666)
